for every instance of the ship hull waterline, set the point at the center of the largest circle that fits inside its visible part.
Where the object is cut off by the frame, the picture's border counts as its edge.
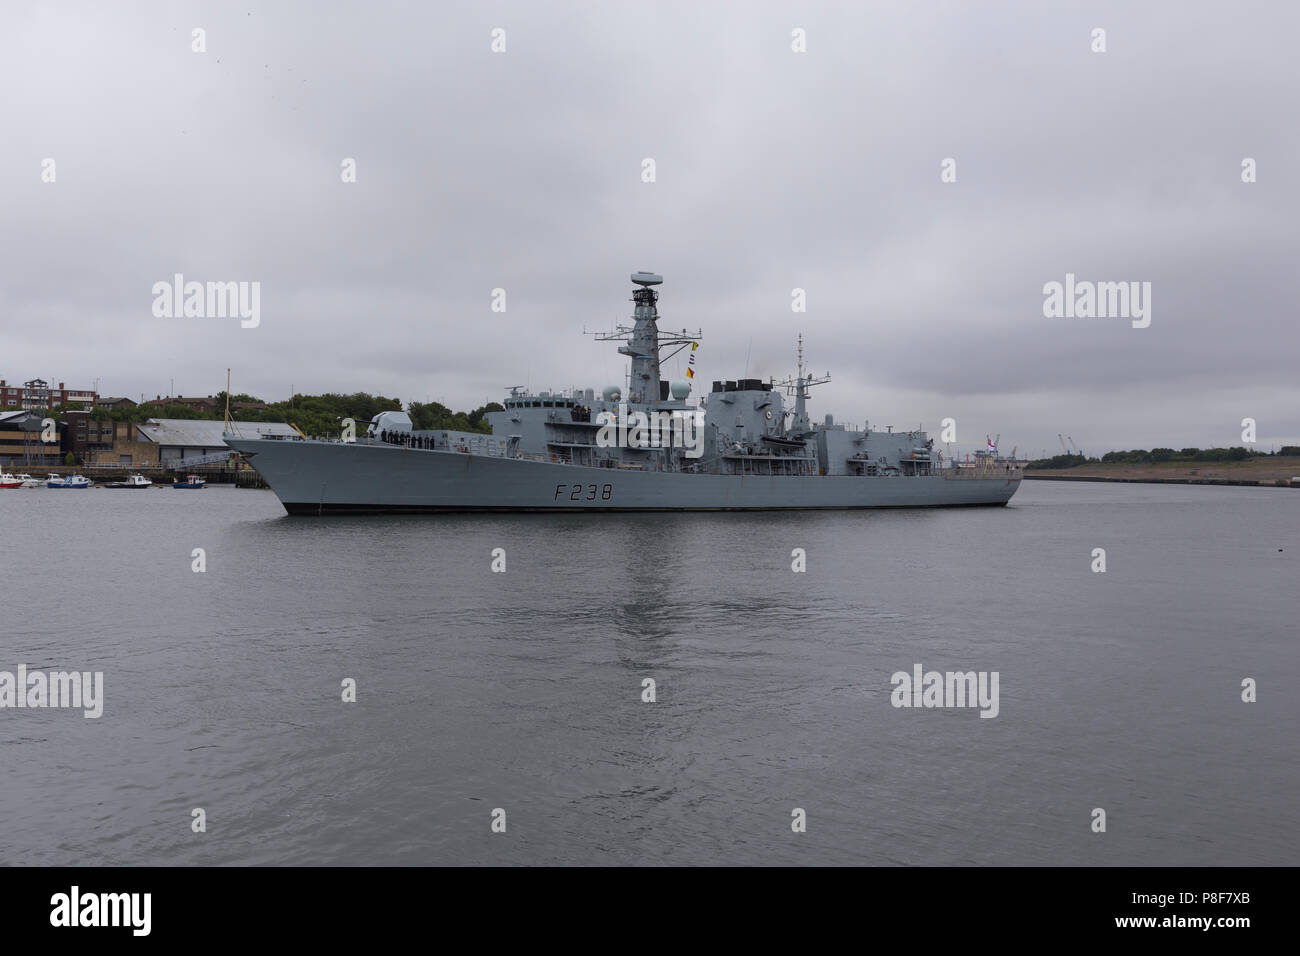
(327, 478)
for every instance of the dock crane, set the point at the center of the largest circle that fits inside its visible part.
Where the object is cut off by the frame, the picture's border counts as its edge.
(1074, 446)
(1062, 441)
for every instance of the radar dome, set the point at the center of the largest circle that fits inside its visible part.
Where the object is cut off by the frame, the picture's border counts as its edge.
(611, 393)
(647, 278)
(680, 390)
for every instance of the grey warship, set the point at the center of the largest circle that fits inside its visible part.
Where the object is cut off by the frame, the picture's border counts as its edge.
(648, 450)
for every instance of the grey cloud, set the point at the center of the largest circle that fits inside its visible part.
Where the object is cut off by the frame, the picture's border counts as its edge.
(775, 171)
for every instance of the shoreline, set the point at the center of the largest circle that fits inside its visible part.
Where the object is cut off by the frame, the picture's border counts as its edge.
(1251, 482)
(1266, 472)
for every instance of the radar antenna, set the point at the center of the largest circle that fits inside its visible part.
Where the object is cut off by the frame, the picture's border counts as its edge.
(643, 341)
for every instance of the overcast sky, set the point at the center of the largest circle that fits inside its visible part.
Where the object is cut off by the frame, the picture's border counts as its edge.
(774, 170)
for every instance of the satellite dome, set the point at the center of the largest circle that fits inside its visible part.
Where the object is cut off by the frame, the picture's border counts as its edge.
(647, 278)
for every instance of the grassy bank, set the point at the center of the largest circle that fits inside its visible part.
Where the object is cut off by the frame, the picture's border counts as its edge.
(1252, 470)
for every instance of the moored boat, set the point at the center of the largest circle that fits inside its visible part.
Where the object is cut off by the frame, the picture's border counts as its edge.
(133, 481)
(9, 481)
(72, 481)
(191, 481)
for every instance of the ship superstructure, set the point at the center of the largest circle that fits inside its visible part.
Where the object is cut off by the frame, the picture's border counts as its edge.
(742, 448)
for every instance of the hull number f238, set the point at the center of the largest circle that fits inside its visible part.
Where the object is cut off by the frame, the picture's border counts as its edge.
(584, 492)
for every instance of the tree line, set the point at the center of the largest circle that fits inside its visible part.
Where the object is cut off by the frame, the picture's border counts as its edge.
(1141, 456)
(313, 414)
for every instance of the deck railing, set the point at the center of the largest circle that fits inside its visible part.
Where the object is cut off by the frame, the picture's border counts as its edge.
(989, 470)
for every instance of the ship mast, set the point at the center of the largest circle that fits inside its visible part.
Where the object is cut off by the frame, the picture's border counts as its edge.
(643, 340)
(229, 427)
(798, 387)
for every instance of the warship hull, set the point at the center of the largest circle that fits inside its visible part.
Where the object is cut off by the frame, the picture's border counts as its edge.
(324, 477)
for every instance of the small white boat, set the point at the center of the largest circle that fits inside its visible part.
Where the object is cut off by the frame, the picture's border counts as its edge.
(27, 481)
(133, 481)
(72, 481)
(9, 481)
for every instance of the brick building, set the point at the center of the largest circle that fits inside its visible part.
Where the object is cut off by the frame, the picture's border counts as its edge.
(199, 404)
(114, 402)
(37, 394)
(92, 440)
(159, 441)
